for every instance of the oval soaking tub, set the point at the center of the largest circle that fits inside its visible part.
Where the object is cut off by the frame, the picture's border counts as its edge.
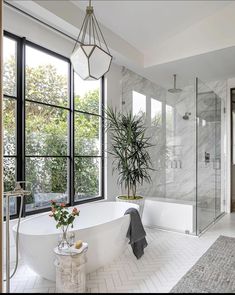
(102, 225)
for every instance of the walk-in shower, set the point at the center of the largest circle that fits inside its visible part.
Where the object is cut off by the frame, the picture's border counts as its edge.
(198, 145)
(187, 189)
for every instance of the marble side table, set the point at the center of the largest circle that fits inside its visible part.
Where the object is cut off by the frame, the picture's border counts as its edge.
(70, 270)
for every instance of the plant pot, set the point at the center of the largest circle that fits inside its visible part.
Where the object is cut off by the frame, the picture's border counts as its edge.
(140, 201)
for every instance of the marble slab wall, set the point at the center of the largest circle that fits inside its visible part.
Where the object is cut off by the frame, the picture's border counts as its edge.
(133, 82)
(174, 154)
(181, 177)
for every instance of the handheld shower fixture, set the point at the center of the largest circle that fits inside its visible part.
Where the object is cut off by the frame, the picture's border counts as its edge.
(175, 90)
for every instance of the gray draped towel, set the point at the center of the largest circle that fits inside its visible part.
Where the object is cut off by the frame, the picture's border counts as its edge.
(136, 233)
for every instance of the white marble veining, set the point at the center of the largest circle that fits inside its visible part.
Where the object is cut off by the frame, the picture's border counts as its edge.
(179, 144)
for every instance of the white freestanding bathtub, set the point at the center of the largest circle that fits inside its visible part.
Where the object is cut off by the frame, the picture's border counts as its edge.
(102, 225)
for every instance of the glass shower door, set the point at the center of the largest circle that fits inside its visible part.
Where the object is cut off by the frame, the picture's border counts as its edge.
(208, 205)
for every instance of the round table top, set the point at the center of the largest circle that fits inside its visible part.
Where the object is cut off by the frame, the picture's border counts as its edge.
(72, 251)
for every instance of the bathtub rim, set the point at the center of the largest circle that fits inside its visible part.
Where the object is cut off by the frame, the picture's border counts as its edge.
(14, 228)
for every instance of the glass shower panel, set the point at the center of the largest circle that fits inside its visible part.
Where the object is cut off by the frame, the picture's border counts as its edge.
(217, 161)
(180, 130)
(208, 156)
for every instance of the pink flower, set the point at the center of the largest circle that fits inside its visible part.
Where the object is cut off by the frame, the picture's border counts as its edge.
(62, 204)
(75, 211)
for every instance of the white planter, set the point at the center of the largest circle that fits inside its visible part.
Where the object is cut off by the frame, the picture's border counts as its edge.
(139, 202)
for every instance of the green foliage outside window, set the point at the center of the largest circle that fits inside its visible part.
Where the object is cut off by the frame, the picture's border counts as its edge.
(46, 132)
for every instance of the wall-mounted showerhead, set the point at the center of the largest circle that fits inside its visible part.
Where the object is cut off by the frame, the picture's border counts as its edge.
(186, 116)
(175, 90)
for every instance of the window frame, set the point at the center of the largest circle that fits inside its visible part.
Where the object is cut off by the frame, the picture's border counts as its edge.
(21, 101)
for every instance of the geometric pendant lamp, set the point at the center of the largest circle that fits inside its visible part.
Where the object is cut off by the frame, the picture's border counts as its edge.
(90, 58)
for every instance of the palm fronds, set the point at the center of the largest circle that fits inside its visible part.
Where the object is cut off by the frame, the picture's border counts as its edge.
(129, 149)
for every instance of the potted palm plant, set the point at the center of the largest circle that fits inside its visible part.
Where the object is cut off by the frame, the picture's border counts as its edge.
(129, 147)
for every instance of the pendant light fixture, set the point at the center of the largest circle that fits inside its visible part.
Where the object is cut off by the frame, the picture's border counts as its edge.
(90, 58)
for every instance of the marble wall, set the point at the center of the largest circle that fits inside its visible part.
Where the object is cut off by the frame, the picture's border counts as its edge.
(182, 183)
(133, 82)
(174, 153)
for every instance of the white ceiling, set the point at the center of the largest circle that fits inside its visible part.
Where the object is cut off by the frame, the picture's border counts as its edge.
(213, 66)
(190, 38)
(146, 24)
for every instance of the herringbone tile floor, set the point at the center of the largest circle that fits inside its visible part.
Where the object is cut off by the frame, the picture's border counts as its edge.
(167, 258)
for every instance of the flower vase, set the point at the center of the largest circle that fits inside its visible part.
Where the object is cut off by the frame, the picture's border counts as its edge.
(64, 243)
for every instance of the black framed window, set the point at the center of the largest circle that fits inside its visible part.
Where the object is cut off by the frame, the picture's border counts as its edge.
(88, 145)
(53, 127)
(10, 117)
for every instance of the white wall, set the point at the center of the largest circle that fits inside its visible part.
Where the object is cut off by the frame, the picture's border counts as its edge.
(23, 26)
(113, 94)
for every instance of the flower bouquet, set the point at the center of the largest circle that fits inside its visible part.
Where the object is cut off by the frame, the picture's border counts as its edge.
(64, 218)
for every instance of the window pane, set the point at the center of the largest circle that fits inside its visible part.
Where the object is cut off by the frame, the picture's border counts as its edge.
(87, 178)
(9, 173)
(169, 125)
(9, 179)
(49, 181)
(86, 95)
(9, 126)
(87, 139)
(138, 104)
(46, 78)
(169, 118)
(9, 67)
(46, 130)
(156, 112)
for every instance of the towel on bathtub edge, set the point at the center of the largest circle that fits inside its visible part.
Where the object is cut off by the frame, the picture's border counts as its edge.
(136, 233)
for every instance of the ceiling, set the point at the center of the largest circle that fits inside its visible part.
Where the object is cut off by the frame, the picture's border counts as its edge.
(155, 38)
(213, 66)
(146, 24)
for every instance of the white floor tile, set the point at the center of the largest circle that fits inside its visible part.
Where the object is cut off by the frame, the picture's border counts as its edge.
(167, 258)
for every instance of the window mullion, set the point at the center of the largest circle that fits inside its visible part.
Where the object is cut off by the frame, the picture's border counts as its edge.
(71, 140)
(20, 114)
(102, 138)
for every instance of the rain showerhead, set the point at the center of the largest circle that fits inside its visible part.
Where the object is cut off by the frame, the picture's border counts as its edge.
(175, 90)
(186, 116)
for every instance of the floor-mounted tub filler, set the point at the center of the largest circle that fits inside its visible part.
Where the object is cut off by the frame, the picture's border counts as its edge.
(22, 189)
(102, 225)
